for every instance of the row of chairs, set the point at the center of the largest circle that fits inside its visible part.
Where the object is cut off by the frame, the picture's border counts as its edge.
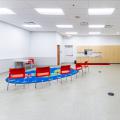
(17, 73)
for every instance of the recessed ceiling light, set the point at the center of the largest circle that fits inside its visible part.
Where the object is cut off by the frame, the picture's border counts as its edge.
(29, 22)
(6, 11)
(32, 26)
(101, 11)
(64, 26)
(118, 33)
(83, 23)
(68, 35)
(77, 17)
(71, 33)
(96, 26)
(94, 33)
(50, 11)
(108, 26)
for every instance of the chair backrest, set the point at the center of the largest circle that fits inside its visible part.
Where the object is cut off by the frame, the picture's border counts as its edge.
(31, 61)
(78, 66)
(65, 69)
(42, 71)
(16, 73)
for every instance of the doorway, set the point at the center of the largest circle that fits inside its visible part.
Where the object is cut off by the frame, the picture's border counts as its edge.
(68, 54)
(58, 54)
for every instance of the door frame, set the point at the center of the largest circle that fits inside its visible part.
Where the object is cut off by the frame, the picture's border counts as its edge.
(58, 54)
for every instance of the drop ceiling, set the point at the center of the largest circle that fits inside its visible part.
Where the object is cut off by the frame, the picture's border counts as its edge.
(25, 12)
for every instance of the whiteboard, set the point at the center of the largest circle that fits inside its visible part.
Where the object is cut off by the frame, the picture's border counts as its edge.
(68, 54)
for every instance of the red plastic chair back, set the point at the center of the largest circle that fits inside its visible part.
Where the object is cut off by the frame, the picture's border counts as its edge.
(65, 69)
(16, 73)
(78, 66)
(42, 71)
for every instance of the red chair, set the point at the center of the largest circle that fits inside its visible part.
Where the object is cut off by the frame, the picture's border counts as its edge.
(78, 66)
(65, 70)
(16, 73)
(86, 66)
(42, 72)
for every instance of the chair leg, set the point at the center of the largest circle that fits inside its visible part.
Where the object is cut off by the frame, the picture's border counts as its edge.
(57, 80)
(61, 80)
(76, 76)
(82, 72)
(42, 84)
(85, 70)
(24, 86)
(35, 85)
(7, 86)
(88, 68)
(49, 82)
(71, 78)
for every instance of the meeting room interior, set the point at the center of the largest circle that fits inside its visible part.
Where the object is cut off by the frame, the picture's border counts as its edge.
(59, 59)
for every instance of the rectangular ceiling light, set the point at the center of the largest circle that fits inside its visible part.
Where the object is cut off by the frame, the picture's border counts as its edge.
(6, 11)
(101, 11)
(64, 26)
(96, 26)
(32, 26)
(71, 33)
(50, 11)
(118, 33)
(94, 33)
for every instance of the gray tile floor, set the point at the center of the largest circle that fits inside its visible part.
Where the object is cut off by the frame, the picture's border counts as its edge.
(85, 98)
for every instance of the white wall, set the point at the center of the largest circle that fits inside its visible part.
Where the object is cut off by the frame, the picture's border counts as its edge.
(89, 40)
(44, 47)
(59, 39)
(14, 43)
(18, 43)
(93, 40)
(43, 44)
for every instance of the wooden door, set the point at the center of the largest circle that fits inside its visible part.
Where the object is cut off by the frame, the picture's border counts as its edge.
(58, 54)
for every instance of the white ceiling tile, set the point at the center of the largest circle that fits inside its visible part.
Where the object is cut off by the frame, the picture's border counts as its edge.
(25, 13)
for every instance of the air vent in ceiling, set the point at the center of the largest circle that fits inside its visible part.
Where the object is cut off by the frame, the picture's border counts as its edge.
(29, 22)
(77, 17)
(108, 26)
(84, 23)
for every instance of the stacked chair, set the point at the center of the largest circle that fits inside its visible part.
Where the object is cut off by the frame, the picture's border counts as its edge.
(31, 62)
